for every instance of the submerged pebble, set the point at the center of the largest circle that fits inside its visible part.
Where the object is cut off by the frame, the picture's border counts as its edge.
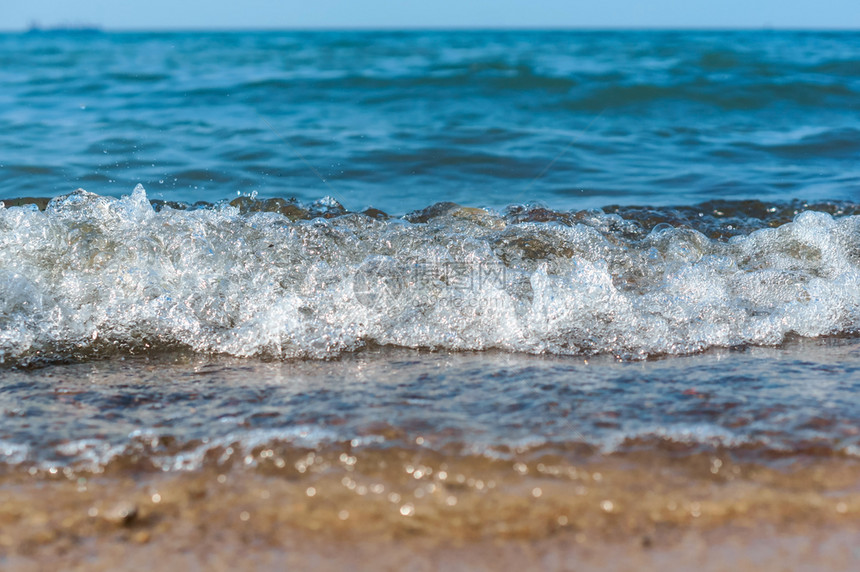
(123, 513)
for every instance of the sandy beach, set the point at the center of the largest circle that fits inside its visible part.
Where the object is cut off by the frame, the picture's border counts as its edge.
(647, 512)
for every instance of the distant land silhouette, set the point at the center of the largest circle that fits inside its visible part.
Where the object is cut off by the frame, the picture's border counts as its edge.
(76, 28)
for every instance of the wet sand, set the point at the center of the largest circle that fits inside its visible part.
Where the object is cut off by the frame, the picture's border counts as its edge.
(736, 549)
(393, 510)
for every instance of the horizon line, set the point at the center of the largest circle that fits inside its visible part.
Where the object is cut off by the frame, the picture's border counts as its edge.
(97, 28)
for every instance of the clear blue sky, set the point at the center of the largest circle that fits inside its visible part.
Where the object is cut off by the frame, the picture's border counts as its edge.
(157, 14)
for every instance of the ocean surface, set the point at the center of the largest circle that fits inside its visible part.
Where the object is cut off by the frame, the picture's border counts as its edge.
(398, 121)
(408, 270)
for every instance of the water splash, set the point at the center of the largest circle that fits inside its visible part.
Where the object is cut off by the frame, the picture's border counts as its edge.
(93, 275)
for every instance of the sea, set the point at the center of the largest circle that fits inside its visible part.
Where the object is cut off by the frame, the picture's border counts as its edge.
(446, 284)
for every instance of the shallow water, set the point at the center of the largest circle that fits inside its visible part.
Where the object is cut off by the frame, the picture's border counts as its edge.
(185, 412)
(430, 447)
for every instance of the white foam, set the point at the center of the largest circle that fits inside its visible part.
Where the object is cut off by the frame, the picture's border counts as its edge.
(96, 274)
(13, 453)
(95, 455)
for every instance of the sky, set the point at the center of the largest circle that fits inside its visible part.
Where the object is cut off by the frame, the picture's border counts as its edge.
(228, 14)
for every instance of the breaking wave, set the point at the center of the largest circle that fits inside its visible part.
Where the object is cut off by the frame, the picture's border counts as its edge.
(93, 276)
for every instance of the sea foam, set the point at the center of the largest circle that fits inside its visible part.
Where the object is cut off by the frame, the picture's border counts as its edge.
(95, 275)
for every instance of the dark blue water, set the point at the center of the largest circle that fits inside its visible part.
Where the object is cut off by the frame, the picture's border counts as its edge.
(399, 121)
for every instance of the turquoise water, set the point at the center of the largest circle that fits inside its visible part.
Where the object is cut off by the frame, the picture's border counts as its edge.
(655, 242)
(399, 121)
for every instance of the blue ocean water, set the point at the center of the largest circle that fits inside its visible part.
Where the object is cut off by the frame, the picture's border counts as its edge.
(669, 201)
(400, 120)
